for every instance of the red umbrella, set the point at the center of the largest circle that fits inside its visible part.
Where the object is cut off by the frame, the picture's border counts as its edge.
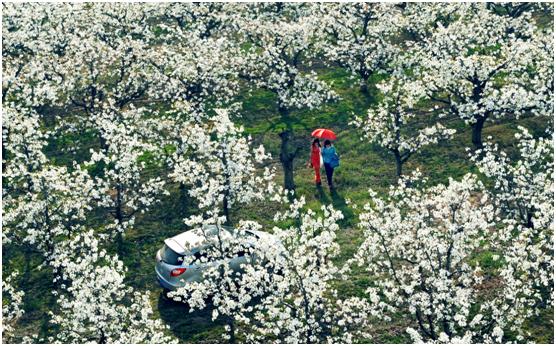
(324, 134)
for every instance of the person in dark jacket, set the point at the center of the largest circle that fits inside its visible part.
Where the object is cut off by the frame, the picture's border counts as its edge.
(328, 155)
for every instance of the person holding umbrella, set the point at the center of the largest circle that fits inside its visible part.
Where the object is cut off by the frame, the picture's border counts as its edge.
(316, 160)
(330, 157)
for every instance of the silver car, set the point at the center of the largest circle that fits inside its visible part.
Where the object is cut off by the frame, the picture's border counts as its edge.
(170, 268)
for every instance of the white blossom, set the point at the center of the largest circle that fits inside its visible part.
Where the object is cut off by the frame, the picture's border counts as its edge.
(12, 310)
(523, 191)
(96, 305)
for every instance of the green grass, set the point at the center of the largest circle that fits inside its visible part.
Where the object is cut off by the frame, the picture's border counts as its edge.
(363, 166)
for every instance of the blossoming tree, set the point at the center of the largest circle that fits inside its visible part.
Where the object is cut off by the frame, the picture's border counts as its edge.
(204, 19)
(391, 123)
(42, 201)
(418, 242)
(424, 243)
(359, 37)
(478, 65)
(280, 40)
(128, 136)
(106, 72)
(220, 167)
(29, 41)
(94, 303)
(199, 71)
(105, 106)
(303, 306)
(523, 190)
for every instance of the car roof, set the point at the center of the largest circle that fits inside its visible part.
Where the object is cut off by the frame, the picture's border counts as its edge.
(193, 239)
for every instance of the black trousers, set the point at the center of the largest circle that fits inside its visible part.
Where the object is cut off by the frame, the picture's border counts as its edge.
(329, 172)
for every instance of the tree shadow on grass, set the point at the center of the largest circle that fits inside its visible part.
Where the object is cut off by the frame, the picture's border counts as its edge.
(189, 327)
(321, 195)
(196, 326)
(339, 203)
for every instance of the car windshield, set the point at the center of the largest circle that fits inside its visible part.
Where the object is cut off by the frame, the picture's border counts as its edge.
(170, 256)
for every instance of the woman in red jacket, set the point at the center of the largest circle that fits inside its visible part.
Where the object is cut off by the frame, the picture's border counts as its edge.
(315, 160)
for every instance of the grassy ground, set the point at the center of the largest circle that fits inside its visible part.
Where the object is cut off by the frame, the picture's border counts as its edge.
(363, 166)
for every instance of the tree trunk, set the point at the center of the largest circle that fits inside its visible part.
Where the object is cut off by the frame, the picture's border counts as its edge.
(396, 151)
(477, 130)
(103, 144)
(183, 195)
(232, 326)
(27, 272)
(102, 337)
(5, 141)
(286, 156)
(227, 186)
(364, 75)
(398, 164)
(287, 167)
(363, 87)
(120, 243)
(477, 127)
(119, 207)
(120, 217)
(226, 211)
